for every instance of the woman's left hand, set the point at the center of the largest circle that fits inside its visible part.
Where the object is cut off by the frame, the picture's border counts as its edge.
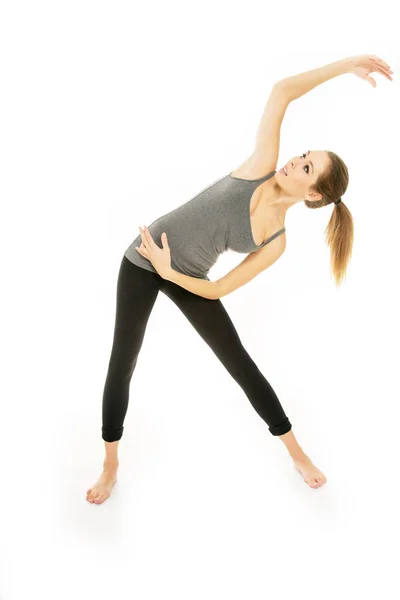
(160, 258)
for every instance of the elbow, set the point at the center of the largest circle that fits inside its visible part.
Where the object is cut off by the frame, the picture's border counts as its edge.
(282, 86)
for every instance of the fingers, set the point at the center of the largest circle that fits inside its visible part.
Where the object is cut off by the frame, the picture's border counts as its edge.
(383, 71)
(382, 67)
(147, 242)
(380, 61)
(142, 250)
(144, 245)
(146, 237)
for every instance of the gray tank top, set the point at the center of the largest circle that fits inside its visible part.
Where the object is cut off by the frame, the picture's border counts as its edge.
(217, 219)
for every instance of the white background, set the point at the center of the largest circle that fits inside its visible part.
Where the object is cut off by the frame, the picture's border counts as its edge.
(113, 113)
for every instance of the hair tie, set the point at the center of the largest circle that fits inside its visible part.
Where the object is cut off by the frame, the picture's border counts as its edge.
(337, 201)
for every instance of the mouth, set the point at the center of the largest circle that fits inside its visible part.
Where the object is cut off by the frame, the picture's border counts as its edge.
(283, 171)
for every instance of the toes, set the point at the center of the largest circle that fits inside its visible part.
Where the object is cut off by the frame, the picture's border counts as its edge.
(92, 494)
(313, 483)
(316, 481)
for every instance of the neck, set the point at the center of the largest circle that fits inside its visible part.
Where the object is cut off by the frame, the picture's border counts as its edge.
(276, 201)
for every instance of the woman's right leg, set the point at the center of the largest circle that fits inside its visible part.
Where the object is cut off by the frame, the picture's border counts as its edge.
(137, 290)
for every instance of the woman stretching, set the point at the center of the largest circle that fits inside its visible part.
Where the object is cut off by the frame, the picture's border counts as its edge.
(243, 211)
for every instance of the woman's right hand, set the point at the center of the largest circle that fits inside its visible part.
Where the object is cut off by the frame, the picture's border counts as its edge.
(365, 64)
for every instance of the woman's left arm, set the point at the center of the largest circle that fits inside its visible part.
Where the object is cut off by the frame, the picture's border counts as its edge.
(298, 85)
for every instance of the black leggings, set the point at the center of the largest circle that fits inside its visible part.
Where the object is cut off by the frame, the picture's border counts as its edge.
(137, 290)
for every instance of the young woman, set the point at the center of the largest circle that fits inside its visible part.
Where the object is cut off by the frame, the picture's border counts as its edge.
(243, 211)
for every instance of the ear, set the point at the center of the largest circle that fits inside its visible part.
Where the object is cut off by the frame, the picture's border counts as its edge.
(314, 196)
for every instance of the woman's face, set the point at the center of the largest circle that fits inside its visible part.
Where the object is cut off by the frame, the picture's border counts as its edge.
(302, 172)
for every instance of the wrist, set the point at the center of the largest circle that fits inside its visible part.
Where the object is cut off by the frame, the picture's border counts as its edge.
(169, 274)
(348, 64)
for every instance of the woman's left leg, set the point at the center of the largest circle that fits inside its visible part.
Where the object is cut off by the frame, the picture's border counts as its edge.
(212, 322)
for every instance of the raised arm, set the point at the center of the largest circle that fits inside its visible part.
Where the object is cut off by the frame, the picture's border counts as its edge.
(298, 85)
(266, 151)
(265, 155)
(361, 66)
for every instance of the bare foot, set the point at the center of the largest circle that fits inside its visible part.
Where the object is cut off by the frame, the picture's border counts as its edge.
(102, 488)
(311, 475)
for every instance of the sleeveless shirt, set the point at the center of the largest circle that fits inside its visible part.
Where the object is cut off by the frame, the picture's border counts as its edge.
(215, 220)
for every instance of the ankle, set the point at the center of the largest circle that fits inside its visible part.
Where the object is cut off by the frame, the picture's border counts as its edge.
(301, 458)
(109, 465)
(293, 447)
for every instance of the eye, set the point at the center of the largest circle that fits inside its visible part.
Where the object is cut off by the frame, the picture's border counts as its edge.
(306, 166)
